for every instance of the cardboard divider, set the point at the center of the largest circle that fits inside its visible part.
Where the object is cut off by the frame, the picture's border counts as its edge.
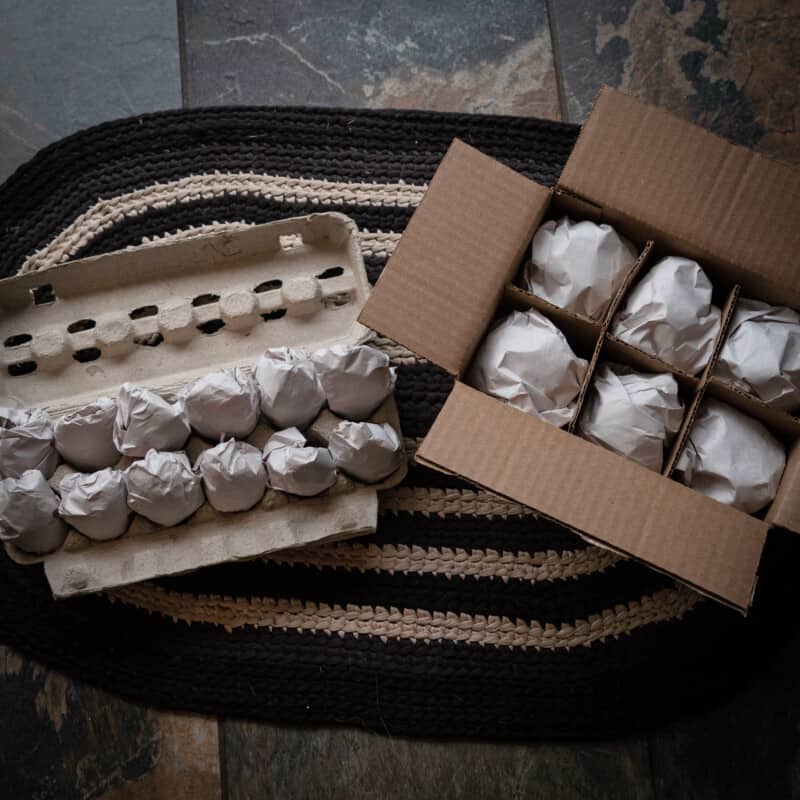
(691, 411)
(587, 380)
(640, 266)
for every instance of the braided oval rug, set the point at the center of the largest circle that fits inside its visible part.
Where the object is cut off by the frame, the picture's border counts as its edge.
(464, 615)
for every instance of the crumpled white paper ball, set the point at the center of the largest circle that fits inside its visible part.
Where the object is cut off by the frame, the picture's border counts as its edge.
(145, 421)
(296, 469)
(85, 438)
(26, 442)
(222, 404)
(526, 361)
(669, 315)
(163, 488)
(29, 514)
(732, 458)
(578, 265)
(367, 451)
(356, 378)
(234, 476)
(291, 392)
(761, 353)
(96, 503)
(634, 414)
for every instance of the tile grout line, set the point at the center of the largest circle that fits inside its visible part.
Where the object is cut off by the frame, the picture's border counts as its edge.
(556, 50)
(222, 756)
(179, 10)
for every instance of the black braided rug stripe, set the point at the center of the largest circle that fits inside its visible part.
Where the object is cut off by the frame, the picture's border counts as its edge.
(464, 615)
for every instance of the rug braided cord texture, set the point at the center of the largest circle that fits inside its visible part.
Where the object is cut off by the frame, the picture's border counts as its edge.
(465, 614)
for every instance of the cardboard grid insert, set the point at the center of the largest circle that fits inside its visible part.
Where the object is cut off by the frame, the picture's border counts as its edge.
(592, 339)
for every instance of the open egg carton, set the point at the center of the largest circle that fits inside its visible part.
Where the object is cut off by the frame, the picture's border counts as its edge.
(161, 316)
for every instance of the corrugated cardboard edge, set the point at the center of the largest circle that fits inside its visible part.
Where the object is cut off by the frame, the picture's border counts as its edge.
(688, 185)
(440, 289)
(223, 538)
(627, 507)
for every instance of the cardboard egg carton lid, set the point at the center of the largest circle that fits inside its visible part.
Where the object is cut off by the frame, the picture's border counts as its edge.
(161, 315)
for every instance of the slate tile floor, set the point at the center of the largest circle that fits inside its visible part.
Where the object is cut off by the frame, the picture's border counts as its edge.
(731, 65)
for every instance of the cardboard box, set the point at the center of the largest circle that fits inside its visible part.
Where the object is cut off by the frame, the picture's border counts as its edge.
(670, 187)
(161, 316)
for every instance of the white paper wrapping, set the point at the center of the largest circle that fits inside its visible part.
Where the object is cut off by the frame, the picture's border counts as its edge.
(634, 414)
(29, 514)
(96, 503)
(526, 361)
(296, 469)
(234, 476)
(26, 442)
(367, 451)
(85, 438)
(761, 353)
(669, 314)
(289, 437)
(291, 393)
(732, 458)
(578, 265)
(222, 404)
(356, 378)
(163, 488)
(145, 421)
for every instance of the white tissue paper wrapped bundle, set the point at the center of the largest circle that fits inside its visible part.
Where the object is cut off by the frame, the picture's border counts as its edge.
(578, 265)
(356, 378)
(291, 393)
(85, 438)
(634, 414)
(367, 451)
(761, 354)
(26, 442)
(669, 315)
(96, 503)
(29, 514)
(222, 404)
(297, 469)
(163, 488)
(233, 474)
(732, 458)
(146, 422)
(527, 361)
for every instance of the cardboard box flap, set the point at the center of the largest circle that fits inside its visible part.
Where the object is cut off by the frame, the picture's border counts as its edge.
(441, 286)
(685, 182)
(634, 511)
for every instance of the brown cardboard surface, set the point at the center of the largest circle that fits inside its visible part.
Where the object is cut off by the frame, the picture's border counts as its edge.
(627, 507)
(687, 185)
(461, 247)
(785, 508)
(310, 268)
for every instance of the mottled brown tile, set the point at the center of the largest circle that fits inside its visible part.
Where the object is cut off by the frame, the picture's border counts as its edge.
(62, 739)
(733, 67)
(282, 761)
(454, 55)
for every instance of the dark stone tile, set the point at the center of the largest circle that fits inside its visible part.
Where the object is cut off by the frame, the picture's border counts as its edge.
(454, 55)
(733, 67)
(277, 761)
(62, 70)
(746, 749)
(61, 739)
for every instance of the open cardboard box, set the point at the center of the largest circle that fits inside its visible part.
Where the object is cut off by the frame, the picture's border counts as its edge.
(160, 316)
(670, 187)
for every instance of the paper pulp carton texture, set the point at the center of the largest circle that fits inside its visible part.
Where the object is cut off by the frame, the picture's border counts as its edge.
(672, 189)
(161, 316)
